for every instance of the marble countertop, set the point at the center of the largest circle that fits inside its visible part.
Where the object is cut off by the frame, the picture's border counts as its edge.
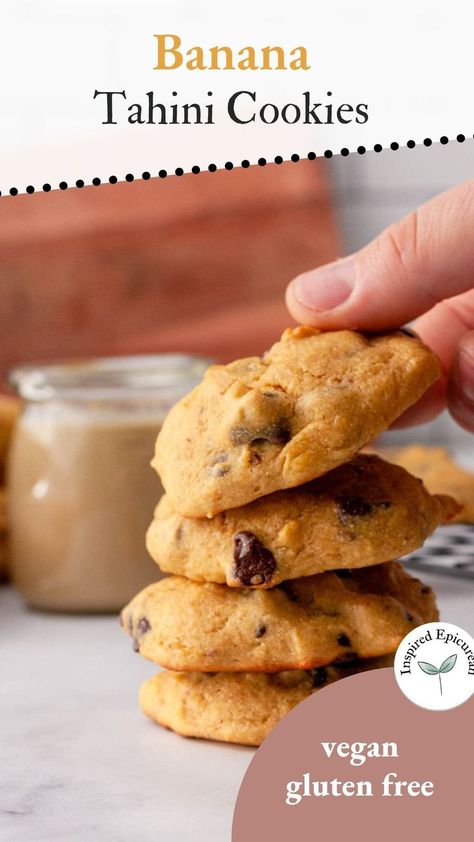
(80, 762)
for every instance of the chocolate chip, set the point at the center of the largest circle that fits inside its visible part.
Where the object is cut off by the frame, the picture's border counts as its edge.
(254, 564)
(135, 645)
(143, 625)
(179, 534)
(130, 623)
(343, 639)
(278, 433)
(319, 676)
(260, 630)
(352, 507)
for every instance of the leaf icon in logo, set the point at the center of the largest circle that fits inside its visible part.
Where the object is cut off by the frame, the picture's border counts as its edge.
(428, 668)
(446, 666)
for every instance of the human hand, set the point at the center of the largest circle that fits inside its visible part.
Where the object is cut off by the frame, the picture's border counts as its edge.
(422, 266)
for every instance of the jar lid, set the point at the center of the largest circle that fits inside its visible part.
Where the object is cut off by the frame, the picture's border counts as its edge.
(109, 378)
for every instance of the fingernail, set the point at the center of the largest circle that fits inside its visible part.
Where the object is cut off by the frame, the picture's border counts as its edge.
(327, 287)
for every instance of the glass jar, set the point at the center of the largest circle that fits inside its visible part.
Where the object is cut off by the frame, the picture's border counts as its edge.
(81, 490)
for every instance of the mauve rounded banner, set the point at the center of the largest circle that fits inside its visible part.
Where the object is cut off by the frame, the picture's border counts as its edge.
(358, 760)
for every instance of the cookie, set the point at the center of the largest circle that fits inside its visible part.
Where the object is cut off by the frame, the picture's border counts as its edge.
(301, 624)
(239, 707)
(440, 474)
(309, 404)
(361, 513)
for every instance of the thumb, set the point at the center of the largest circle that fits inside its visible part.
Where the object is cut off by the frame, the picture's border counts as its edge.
(425, 258)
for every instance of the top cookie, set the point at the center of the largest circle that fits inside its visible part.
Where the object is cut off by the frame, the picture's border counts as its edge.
(263, 424)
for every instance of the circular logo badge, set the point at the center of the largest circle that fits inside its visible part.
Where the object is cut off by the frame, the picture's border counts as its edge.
(434, 666)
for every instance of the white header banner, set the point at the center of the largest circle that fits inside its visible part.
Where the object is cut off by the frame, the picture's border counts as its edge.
(100, 88)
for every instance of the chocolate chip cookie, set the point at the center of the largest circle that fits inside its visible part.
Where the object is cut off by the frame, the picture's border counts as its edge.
(440, 473)
(361, 513)
(309, 404)
(239, 707)
(300, 624)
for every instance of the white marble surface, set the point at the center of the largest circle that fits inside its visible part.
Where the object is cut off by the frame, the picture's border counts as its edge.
(79, 761)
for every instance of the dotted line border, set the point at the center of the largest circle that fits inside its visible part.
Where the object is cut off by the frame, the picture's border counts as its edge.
(245, 164)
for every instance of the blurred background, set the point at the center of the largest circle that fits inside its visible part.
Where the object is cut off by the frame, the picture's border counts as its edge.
(196, 264)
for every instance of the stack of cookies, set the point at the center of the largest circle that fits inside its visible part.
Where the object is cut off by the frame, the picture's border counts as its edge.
(280, 536)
